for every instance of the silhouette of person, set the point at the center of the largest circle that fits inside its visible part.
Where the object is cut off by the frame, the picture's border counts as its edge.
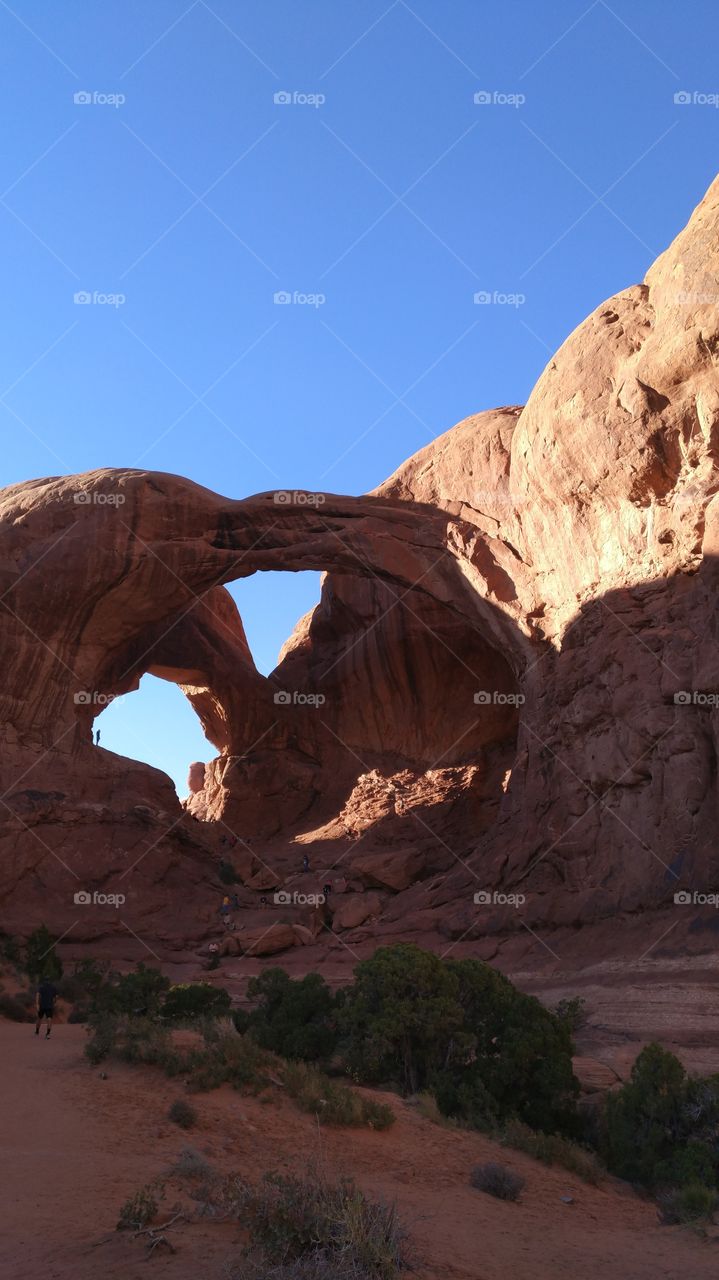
(97, 738)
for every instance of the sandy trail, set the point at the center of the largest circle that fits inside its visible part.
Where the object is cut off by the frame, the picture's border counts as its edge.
(74, 1146)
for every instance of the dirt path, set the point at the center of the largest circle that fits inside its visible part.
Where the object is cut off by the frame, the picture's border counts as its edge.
(74, 1146)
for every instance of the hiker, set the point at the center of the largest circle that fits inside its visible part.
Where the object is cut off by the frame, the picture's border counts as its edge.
(45, 1004)
(97, 738)
(235, 902)
(305, 862)
(225, 912)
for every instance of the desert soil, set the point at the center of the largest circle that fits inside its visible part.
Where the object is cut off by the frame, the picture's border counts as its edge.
(74, 1146)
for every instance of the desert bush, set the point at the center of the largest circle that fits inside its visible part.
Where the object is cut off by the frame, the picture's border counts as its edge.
(182, 1114)
(460, 1029)
(660, 1127)
(138, 1210)
(497, 1180)
(552, 1148)
(332, 1103)
(40, 959)
(10, 950)
(572, 1010)
(293, 1017)
(190, 1164)
(13, 1009)
(332, 1225)
(101, 1042)
(688, 1205)
(139, 994)
(231, 1059)
(189, 1001)
(227, 873)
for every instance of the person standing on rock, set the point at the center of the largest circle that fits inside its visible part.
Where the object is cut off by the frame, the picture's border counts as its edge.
(97, 738)
(305, 862)
(45, 1004)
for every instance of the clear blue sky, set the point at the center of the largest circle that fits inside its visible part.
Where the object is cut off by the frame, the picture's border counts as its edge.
(396, 198)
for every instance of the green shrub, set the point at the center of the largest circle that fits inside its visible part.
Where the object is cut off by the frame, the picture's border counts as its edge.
(101, 1042)
(688, 1205)
(294, 1017)
(332, 1103)
(323, 1224)
(660, 1127)
(227, 873)
(13, 1009)
(572, 1010)
(189, 1001)
(460, 1029)
(234, 1060)
(192, 1165)
(182, 1114)
(552, 1148)
(10, 950)
(138, 1210)
(41, 959)
(496, 1180)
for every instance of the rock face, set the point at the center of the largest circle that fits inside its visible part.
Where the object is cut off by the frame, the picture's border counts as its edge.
(508, 691)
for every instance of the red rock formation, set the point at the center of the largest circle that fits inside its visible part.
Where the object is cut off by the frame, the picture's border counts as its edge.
(558, 561)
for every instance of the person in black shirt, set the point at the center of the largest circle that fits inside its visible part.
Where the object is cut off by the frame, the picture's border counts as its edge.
(45, 1004)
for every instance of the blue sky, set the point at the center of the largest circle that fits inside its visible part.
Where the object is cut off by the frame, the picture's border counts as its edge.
(381, 189)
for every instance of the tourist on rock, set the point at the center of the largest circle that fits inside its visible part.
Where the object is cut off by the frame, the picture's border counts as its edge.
(306, 862)
(45, 1003)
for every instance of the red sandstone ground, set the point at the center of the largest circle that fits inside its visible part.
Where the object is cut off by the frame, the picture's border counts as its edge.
(74, 1146)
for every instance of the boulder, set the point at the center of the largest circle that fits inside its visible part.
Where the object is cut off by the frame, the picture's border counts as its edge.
(396, 869)
(354, 909)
